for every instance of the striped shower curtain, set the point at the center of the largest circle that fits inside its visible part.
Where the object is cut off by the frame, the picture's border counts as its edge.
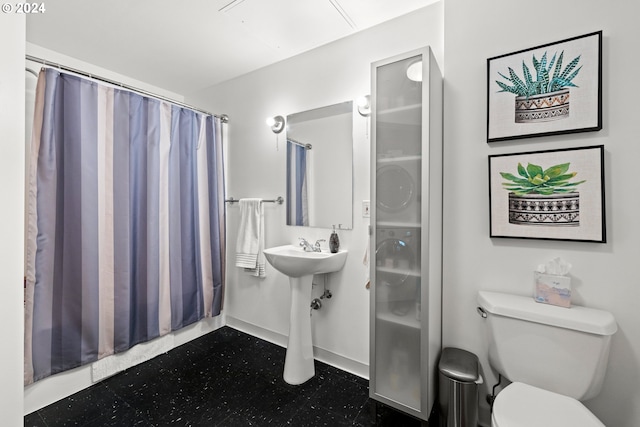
(125, 222)
(298, 205)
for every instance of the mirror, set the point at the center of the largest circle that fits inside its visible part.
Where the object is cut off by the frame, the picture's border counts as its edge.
(319, 167)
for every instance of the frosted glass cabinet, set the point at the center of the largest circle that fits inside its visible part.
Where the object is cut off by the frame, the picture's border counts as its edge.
(406, 228)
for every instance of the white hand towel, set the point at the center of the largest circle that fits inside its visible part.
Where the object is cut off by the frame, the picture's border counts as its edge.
(250, 244)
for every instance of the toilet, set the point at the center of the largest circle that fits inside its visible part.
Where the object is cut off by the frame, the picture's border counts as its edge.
(553, 356)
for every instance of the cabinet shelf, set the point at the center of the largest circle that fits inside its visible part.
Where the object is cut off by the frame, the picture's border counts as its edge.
(404, 115)
(397, 224)
(399, 271)
(401, 109)
(399, 159)
(407, 318)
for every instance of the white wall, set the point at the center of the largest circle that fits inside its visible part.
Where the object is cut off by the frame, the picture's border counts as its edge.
(12, 87)
(605, 275)
(333, 73)
(54, 57)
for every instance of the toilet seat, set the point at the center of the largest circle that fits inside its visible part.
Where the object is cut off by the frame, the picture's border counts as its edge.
(522, 405)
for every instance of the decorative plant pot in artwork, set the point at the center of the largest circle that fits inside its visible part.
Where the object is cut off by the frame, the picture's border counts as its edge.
(543, 108)
(541, 209)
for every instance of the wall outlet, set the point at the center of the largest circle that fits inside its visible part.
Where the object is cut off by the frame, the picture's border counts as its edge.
(366, 209)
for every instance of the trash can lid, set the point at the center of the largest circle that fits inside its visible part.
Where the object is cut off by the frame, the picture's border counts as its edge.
(459, 365)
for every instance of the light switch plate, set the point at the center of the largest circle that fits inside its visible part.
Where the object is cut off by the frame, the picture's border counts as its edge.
(366, 209)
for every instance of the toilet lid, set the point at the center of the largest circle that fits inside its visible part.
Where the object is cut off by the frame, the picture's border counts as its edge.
(522, 405)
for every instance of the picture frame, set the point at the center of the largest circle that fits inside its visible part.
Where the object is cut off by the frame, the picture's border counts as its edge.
(551, 89)
(549, 195)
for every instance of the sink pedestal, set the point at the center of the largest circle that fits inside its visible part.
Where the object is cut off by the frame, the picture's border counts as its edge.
(300, 266)
(298, 364)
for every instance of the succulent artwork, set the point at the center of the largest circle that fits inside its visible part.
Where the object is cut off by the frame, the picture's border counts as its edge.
(549, 77)
(535, 180)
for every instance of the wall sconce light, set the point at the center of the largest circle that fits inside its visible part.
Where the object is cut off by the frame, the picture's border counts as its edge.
(276, 123)
(364, 105)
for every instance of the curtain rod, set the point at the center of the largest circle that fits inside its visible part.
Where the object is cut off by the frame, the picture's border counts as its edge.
(302, 144)
(223, 117)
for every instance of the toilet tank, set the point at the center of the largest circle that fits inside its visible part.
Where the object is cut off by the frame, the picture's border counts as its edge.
(564, 350)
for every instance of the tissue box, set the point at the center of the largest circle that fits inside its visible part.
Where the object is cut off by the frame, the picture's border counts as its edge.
(552, 289)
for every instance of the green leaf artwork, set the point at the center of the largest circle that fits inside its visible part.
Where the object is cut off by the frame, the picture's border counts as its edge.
(535, 180)
(547, 76)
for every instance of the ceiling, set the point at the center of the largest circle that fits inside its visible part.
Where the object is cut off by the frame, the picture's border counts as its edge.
(190, 45)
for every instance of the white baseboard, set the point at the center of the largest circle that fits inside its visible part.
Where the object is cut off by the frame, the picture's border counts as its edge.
(330, 358)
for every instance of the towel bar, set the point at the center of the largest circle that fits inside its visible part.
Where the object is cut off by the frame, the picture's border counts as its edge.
(279, 200)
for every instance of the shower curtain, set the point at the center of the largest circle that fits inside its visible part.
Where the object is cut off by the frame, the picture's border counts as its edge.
(298, 207)
(125, 222)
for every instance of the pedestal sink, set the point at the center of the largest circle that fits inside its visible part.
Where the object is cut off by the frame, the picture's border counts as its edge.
(300, 266)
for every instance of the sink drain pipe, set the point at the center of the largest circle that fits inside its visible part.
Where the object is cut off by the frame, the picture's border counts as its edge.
(316, 303)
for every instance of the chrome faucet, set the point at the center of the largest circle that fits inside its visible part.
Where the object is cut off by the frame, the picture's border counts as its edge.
(308, 247)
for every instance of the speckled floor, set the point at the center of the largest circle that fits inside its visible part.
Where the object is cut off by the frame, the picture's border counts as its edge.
(225, 378)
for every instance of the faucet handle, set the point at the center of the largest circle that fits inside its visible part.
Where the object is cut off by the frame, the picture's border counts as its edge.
(305, 244)
(317, 244)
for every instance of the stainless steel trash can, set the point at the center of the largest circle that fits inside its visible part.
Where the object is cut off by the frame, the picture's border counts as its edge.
(459, 378)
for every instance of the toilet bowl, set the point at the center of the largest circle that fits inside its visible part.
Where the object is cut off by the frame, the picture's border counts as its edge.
(523, 405)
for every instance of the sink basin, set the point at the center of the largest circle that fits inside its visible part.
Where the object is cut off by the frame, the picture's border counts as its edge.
(295, 262)
(300, 266)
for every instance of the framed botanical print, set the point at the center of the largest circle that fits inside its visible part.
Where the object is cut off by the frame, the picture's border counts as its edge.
(553, 194)
(551, 89)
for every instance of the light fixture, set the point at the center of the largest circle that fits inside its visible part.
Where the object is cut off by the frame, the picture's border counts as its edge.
(414, 71)
(364, 105)
(276, 123)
